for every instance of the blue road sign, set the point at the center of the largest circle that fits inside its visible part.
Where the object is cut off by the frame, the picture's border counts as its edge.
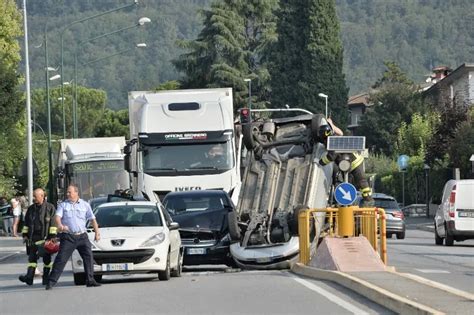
(403, 162)
(345, 194)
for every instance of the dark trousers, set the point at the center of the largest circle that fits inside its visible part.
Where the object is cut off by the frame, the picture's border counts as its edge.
(69, 243)
(33, 254)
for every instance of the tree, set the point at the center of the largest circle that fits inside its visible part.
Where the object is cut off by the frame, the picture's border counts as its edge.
(232, 46)
(394, 101)
(113, 124)
(414, 137)
(308, 58)
(11, 108)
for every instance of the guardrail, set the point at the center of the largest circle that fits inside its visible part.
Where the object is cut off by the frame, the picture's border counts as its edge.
(345, 222)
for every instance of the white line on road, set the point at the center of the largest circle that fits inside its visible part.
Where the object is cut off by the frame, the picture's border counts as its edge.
(432, 271)
(328, 295)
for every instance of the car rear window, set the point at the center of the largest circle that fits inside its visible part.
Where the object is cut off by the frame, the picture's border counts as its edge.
(386, 203)
(119, 216)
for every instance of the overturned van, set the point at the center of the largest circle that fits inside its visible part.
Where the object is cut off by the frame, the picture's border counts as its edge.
(282, 177)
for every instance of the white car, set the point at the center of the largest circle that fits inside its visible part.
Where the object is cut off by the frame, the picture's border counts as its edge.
(454, 220)
(136, 237)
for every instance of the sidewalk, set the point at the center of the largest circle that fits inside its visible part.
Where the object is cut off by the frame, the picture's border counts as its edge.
(11, 246)
(420, 223)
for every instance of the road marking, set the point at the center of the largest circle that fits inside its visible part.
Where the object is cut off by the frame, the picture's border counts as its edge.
(432, 271)
(328, 295)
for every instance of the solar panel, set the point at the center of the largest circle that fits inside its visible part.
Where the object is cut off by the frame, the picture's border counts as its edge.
(346, 144)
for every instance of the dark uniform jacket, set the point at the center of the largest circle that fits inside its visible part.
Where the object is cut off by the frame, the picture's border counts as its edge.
(39, 221)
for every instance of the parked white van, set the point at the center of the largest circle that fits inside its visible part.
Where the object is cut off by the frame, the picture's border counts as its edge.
(454, 220)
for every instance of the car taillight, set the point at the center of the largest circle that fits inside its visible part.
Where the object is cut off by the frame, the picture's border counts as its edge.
(452, 200)
(398, 214)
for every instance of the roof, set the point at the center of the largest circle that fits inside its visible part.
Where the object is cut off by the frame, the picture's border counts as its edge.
(452, 76)
(359, 99)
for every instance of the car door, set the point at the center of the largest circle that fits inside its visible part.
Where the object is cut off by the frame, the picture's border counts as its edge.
(175, 239)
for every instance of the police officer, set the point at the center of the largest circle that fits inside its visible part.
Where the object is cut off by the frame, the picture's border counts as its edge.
(38, 226)
(357, 168)
(71, 219)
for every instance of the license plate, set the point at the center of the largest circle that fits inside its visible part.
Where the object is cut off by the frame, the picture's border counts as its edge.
(466, 214)
(117, 267)
(196, 251)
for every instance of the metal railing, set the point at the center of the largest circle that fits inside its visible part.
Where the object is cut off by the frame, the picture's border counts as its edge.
(344, 222)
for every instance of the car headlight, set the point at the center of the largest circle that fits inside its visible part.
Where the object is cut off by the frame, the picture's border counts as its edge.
(154, 240)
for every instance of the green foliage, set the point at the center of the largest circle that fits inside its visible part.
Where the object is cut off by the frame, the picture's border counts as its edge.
(462, 146)
(413, 138)
(307, 58)
(113, 124)
(394, 102)
(231, 47)
(169, 85)
(11, 107)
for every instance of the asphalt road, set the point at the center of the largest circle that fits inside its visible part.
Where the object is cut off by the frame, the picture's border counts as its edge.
(417, 254)
(196, 292)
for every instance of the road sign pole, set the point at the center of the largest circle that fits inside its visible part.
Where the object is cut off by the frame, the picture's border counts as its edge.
(403, 189)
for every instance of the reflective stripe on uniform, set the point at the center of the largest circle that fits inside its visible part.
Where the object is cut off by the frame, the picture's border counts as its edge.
(358, 161)
(40, 242)
(366, 192)
(53, 230)
(32, 264)
(50, 265)
(325, 159)
(24, 230)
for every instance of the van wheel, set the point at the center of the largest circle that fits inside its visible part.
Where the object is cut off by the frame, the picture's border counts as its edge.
(249, 141)
(449, 239)
(438, 239)
(401, 235)
(234, 230)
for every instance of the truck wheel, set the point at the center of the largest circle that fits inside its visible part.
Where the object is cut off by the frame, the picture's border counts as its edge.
(234, 230)
(249, 141)
(79, 278)
(438, 239)
(294, 221)
(316, 122)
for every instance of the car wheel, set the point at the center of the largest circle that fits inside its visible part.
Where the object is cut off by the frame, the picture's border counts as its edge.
(79, 278)
(98, 278)
(234, 230)
(179, 267)
(438, 239)
(401, 235)
(165, 275)
(247, 139)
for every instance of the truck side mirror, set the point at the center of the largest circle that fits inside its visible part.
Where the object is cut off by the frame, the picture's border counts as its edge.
(127, 150)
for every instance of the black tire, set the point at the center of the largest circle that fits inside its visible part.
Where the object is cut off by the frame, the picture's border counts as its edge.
(401, 235)
(98, 278)
(449, 239)
(438, 239)
(248, 140)
(294, 221)
(80, 278)
(234, 230)
(315, 124)
(165, 275)
(179, 268)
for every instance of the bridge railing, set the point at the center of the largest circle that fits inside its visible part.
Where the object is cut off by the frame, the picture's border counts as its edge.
(344, 222)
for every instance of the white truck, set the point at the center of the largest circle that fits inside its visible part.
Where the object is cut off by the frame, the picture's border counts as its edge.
(183, 140)
(96, 165)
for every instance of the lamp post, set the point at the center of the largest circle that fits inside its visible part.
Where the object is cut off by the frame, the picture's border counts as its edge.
(426, 168)
(326, 98)
(135, 2)
(250, 91)
(141, 22)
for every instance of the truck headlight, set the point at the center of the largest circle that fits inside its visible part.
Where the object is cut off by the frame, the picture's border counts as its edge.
(154, 240)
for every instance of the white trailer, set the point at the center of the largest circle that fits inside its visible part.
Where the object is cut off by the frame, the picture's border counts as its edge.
(96, 165)
(183, 140)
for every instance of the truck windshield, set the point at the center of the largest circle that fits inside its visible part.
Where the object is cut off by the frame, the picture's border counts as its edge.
(98, 178)
(193, 158)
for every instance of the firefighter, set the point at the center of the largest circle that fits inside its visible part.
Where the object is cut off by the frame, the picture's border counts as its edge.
(38, 227)
(357, 167)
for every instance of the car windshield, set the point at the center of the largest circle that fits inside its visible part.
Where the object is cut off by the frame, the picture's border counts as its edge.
(179, 205)
(188, 157)
(386, 203)
(129, 215)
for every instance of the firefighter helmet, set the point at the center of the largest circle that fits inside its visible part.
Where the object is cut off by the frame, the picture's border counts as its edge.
(51, 246)
(324, 132)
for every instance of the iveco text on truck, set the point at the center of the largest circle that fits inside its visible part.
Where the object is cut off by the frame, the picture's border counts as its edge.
(182, 140)
(94, 164)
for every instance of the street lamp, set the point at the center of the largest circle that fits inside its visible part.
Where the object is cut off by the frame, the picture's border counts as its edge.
(326, 98)
(250, 91)
(142, 21)
(135, 2)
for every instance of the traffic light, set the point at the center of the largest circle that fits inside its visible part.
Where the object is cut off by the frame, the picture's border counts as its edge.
(245, 116)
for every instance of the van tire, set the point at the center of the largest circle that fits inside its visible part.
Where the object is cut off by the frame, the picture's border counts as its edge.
(401, 235)
(315, 124)
(449, 239)
(249, 141)
(234, 230)
(438, 239)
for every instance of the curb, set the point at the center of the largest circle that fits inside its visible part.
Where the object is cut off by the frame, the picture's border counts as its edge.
(374, 293)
